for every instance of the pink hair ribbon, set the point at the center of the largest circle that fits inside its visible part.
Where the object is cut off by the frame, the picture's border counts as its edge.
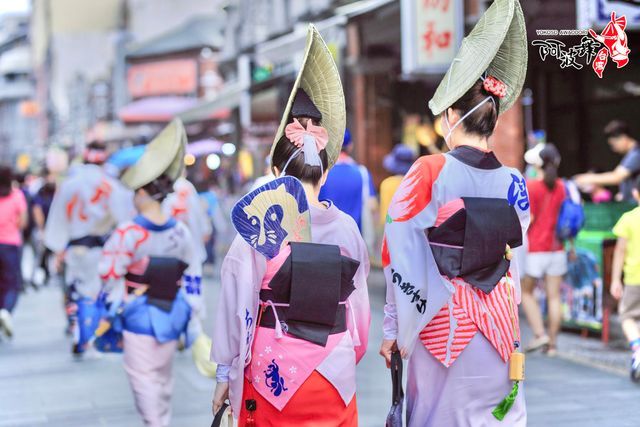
(295, 132)
(309, 141)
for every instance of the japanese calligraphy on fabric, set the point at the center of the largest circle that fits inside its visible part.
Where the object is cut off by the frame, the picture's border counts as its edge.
(273, 215)
(518, 195)
(248, 326)
(410, 291)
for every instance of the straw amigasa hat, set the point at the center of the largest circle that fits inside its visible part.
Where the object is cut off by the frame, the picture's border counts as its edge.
(497, 45)
(164, 155)
(320, 83)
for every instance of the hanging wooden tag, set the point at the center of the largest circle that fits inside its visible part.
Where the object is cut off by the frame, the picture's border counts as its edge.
(516, 366)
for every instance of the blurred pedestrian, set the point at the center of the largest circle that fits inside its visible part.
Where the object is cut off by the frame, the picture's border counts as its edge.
(546, 258)
(22, 184)
(281, 360)
(397, 163)
(41, 206)
(141, 264)
(267, 176)
(621, 142)
(452, 291)
(85, 209)
(184, 205)
(626, 263)
(208, 193)
(13, 219)
(350, 187)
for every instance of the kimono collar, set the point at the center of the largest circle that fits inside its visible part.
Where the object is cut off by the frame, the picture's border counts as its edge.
(323, 216)
(476, 158)
(145, 223)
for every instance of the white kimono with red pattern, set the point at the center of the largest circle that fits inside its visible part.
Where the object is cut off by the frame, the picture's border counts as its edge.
(458, 338)
(87, 203)
(185, 205)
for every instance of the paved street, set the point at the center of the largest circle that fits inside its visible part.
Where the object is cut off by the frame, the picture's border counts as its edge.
(41, 385)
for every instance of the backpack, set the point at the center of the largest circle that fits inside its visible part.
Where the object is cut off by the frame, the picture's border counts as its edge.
(571, 216)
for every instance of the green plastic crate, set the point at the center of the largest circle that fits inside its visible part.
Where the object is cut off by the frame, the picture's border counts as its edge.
(603, 216)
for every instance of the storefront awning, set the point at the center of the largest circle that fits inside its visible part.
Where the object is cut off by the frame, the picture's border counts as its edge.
(226, 100)
(361, 7)
(281, 49)
(163, 109)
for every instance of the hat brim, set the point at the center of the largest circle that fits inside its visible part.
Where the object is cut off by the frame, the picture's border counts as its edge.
(164, 155)
(395, 166)
(532, 156)
(497, 45)
(320, 79)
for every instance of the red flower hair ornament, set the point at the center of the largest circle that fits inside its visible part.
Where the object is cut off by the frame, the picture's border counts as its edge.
(494, 86)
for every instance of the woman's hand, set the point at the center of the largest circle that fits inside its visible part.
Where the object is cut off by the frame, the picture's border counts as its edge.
(616, 289)
(219, 396)
(388, 347)
(59, 262)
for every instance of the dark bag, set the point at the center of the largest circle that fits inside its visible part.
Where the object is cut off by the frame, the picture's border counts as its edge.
(394, 418)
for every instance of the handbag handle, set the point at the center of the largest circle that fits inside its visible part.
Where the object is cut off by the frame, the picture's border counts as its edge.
(217, 420)
(396, 377)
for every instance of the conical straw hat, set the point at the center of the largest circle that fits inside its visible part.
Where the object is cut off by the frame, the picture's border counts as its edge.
(320, 79)
(497, 45)
(163, 155)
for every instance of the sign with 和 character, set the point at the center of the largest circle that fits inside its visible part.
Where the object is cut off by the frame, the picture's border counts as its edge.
(432, 31)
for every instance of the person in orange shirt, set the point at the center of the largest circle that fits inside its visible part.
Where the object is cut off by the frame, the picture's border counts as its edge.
(397, 163)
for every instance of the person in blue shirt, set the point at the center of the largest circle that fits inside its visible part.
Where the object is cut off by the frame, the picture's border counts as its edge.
(349, 186)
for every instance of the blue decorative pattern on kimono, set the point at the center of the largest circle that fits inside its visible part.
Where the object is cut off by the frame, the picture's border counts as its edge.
(273, 380)
(517, 194)
(192, 284)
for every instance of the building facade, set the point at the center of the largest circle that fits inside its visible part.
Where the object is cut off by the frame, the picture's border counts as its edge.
(17, 109)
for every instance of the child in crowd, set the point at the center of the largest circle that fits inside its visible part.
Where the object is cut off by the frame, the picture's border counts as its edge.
(626, 259)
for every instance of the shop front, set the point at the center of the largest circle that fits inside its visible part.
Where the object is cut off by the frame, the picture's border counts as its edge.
(397, 55)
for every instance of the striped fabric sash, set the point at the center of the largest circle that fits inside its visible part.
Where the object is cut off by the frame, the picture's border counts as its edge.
(468, 311)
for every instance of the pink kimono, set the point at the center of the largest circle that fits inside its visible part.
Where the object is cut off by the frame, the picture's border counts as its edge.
(246, 352)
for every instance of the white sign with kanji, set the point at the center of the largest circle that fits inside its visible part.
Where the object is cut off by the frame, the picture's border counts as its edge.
(432, 31)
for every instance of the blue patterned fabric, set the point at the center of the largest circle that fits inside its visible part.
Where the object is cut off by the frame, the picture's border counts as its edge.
(272, 215)
(141, 318)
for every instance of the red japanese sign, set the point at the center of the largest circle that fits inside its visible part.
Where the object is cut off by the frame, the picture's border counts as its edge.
(169, 77)
(431, 33)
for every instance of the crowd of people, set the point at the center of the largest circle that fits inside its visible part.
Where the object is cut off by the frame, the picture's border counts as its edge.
(464, 239)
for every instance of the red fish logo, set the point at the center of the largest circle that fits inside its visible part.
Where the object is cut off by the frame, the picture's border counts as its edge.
(615, 40)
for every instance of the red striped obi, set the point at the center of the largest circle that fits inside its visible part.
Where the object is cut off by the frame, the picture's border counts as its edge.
(468, 311)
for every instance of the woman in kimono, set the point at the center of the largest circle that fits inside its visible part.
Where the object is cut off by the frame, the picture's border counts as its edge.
(86, 207)
(276, 370)
(452, 291)
(185, 205)
(144, 264)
